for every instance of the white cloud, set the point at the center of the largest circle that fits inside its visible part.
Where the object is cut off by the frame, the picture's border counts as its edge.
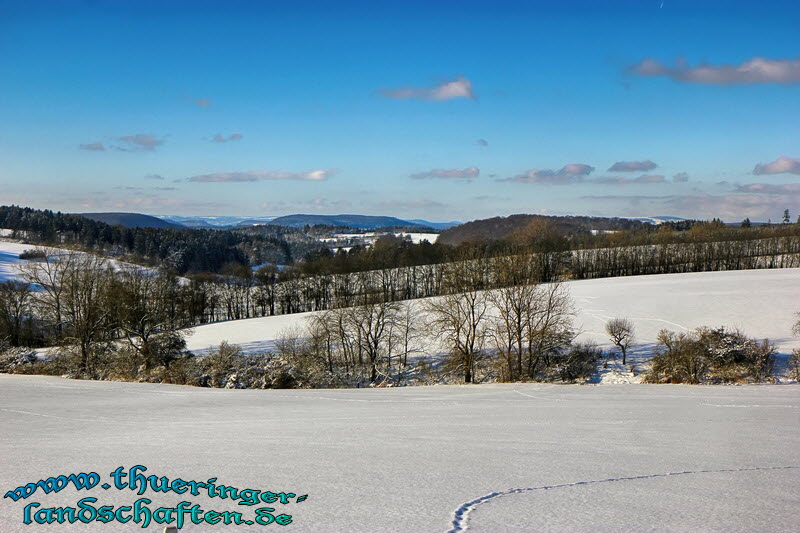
(96, 146)
(632, 166)
(782, 165)
(139, 142)
(643, 179)
(568, 174)
(458, 88)
(219, 138)
(769, 188)
(440, 173)
(316, 204)
(755, 71)
(233, 177)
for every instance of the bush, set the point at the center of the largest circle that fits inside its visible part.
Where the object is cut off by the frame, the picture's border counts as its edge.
(794, 364)
(33, 254)
(579, 363)
(708, 355)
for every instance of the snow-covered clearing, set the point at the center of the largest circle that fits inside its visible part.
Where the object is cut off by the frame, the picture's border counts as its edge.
(10, 262)
(480, 458)
(417, 238)
(9, 258)
(762, 303)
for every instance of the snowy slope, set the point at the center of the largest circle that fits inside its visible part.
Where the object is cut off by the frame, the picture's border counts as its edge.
(10, 261)
(486, 458)
(760, 302)
(9, 258)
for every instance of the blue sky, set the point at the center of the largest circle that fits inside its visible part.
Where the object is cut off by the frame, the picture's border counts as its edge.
(438, 110)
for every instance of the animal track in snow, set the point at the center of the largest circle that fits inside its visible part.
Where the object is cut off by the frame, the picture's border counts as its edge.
(461, 515)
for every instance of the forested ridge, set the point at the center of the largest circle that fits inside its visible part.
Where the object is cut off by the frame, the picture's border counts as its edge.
(181, 250)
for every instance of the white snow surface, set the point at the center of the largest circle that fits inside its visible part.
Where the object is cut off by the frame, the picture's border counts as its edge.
(10, 261)
(480, 458)
(762, 303)
(9, 258)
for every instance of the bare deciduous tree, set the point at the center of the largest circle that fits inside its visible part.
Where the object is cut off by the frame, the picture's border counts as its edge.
(460, 317)
(622, 333)
(142, 300)
(15, 310)
(74, 297)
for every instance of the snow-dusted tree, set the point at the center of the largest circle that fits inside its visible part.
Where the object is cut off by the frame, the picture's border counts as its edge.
(622, 333)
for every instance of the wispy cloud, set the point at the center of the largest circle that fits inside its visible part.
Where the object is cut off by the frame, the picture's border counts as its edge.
(568, 174)
(755, 71)
(315, 204)
(96, 146)
(680, 177)
(154, 177)
(730, 207)
(643, 179)
(219, 138)
(632, 166)
(233, 177)
(422, 203)
(782, 165)
(458, 88)
(769, 188)
(136, 201)
(141, 142)
(440, 173)
(205, 103)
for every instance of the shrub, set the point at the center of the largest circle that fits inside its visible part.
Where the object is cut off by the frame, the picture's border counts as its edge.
(794, 364)
(33, 254)
(708, 355)
(579, 363)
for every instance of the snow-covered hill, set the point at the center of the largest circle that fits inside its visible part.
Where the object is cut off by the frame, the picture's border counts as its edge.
(760, 302)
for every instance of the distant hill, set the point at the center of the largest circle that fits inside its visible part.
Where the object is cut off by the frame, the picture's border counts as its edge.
(493, 229)
(196, 223)
(218, 222)
(131, 220)
(349, 221)
(435, 225)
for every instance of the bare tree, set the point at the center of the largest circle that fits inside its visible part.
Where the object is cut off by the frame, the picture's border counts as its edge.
(622, 333)
(74, 297)
(549, 328)
(372, 324)
(48, 274)
(142, 300)
(408, 330)
(460, 317)
(513, 303)
(15, 309)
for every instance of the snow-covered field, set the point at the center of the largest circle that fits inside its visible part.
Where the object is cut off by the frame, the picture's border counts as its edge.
(481, 458)
(10, 261)
(762, 303)
(9, 258)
